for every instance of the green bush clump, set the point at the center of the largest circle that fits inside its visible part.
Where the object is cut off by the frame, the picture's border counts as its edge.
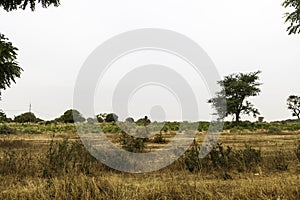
(246, 159)
(4, 129)
(133, 144)
(159, 139)
(274, 129)
(221, 158)
(191, 158)
(110, 128)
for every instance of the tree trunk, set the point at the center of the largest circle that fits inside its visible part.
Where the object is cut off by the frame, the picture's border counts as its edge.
(237, 117)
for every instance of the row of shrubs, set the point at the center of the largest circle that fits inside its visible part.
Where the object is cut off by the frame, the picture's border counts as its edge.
(114, 127)
(30, 128)
(71, 115)
(67, 157)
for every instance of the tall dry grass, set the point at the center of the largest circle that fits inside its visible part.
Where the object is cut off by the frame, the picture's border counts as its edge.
(63, 169)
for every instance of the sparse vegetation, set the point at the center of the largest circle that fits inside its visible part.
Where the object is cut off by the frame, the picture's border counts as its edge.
(56, 167)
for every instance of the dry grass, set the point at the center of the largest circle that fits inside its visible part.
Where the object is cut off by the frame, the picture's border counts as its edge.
(25, 172)
(152, 186)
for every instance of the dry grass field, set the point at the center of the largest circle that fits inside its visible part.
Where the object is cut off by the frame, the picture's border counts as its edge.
(47, 165)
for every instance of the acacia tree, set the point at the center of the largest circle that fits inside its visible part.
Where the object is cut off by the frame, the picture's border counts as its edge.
(292, 17)
(9, 67)
(293, 103)
(236, 88)
(10, 5)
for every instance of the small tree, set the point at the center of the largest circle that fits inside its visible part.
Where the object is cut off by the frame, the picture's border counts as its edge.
(71, 116)
(293, 103)
(91, 120)
(26, 117)
(143, 121)
(3, 117)
(292, 17)
(111, 117)
(129, 120)
(9, 68)
(236, 88)
(100, 118)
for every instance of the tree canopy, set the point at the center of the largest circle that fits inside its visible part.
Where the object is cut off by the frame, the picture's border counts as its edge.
(292, 17)
(111, 117)
(293, 103)
(71, 116)
(10, 5)
(26, 117)
(9, 67)
(236, 88)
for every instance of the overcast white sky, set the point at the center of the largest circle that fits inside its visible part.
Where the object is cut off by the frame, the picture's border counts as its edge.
(239, 36)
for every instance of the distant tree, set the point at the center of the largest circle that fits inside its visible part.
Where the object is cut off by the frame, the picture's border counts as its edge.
(91, 120)
(101, 117)
(3, 117)
(293, 103)
(129, 119)
(111, 117)
(26, 117)
(143, 121)
(9, 68)
(293, 17)
(10, 5)
(71, 116)
(236, 88)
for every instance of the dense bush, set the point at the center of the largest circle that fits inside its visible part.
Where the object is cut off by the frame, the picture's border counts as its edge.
(110, 128)
(159, 139)
(191, 158)
(222, 159)
(133, 144)
(111, 117)
(247, 159)
(4, 129)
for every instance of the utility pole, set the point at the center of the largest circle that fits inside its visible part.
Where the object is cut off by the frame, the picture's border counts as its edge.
(30, 108)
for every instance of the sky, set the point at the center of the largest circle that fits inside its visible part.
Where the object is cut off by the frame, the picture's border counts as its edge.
(239, 36)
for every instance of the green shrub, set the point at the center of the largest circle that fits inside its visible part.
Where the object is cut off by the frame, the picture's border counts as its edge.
(4, 129)
(220, 157)
(159, 139)
(247, 159)
(191, 158)
(274, 129)
(133, 144)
